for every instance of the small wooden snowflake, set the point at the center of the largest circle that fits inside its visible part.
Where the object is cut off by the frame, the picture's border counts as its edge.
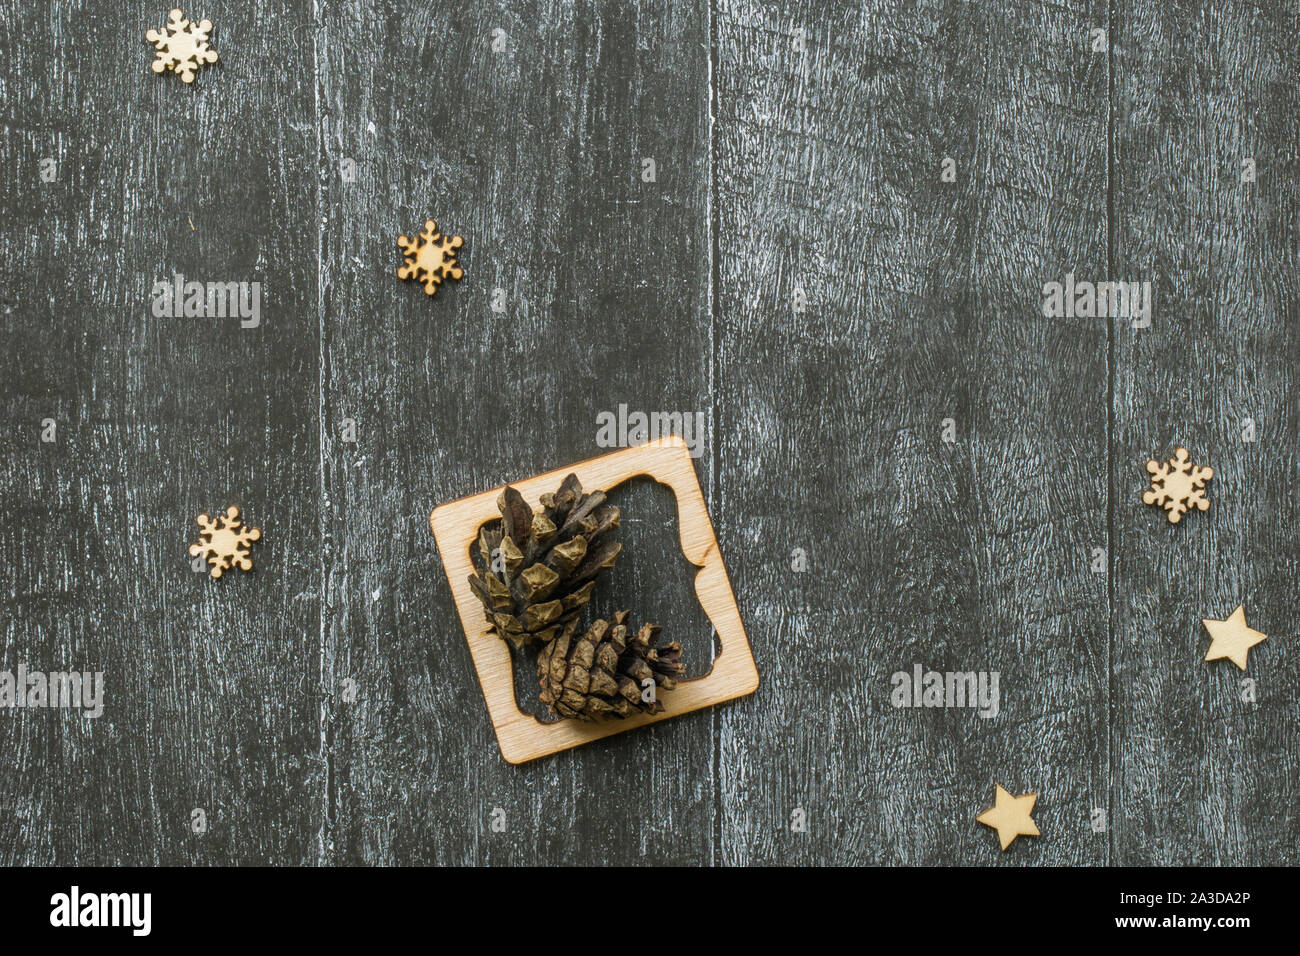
(1177, 485)
(182, 46)
(430, 257)
(224, 542)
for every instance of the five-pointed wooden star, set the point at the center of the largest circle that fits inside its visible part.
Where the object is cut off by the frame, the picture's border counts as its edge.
(1231, 638)
(1010, 816)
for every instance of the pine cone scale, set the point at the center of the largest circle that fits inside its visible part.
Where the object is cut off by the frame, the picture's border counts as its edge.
(532, 578)
(603, 670)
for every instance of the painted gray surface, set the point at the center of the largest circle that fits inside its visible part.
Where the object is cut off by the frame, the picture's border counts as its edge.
(779, 168)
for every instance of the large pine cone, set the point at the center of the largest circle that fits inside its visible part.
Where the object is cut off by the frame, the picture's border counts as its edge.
(600, 673)
(548, 562)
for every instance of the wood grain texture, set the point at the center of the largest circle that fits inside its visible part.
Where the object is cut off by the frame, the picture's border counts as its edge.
(534, 155)
(1202, 776)
(923, 305)
(323, 708)
(212, 692)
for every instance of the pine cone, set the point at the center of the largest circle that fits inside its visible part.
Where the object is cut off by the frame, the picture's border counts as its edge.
(548, 562)
(599, 674)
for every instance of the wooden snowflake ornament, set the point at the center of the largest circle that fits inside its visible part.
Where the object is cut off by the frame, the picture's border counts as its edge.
(224, 542)
(182, 46)
(1177, 485)
(430, 257)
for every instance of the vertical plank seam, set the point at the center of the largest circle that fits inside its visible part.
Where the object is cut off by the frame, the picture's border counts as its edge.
(327, 814)
(1110, 439)
(713, 284)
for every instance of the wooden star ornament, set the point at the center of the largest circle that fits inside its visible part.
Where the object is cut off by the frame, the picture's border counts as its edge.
(1231, 638)
(1010, 816)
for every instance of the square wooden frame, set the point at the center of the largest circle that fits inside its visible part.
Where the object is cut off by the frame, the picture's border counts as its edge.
(523, 737)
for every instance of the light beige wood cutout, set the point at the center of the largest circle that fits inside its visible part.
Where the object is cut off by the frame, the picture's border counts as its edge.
(1178, 485)
(430, 258)
(182, 46)
(1010, 816)
(224, 541)
(1232, 637)
(522, 736)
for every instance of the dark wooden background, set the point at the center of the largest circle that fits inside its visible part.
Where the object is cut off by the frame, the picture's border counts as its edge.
(796, 147)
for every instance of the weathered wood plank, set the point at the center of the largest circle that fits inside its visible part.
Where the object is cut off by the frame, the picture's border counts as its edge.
(211, 687)
(922, 305)
(534, 154)
(820, 172)
(1201, 775)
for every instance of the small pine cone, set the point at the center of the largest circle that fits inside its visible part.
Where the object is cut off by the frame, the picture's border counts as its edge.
(600, 673)
(534, 572)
